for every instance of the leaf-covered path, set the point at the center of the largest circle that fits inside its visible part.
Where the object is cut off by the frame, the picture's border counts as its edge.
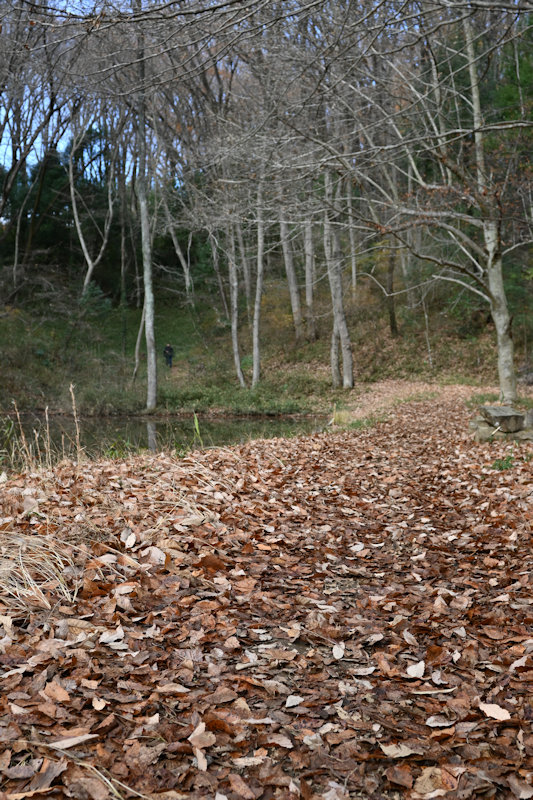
(346, 615)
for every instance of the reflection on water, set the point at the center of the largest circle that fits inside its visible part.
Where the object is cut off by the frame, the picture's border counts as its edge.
(118, 436)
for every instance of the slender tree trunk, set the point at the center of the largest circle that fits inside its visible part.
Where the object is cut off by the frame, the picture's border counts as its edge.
(138, 347)
(291, 274)
(492, 236)
(149, 306)
(91, 262)
(260, 268)
(351, 234)
(309, 252)
(501, 317)
(123, 253)
(216, 267)
(179, 253)
(333, 254)
(234, 299)
(149, 309)
(391, 305)
(245, 268)
(335, 357)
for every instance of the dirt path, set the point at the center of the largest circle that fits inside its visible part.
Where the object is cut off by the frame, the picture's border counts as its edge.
(384, 396)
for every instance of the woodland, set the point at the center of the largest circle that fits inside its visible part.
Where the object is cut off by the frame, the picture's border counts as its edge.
(321, 205)
(231, 153)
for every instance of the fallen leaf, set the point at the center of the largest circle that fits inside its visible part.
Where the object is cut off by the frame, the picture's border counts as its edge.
(72, 741)
(279, 739)
(494, 711)
(397, 750)
(240, 787)
(400, 775)
(56, 692)
(439, 721)
(200, 738)
(293, 700)
(109, 637)
(416, 670)
(520, 788)
(338, 650)
(200, 759)
(172, 688)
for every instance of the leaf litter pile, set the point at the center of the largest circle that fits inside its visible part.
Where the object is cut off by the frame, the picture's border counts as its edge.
(344, 615)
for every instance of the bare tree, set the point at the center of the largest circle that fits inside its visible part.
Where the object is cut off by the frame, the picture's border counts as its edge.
(422, 149)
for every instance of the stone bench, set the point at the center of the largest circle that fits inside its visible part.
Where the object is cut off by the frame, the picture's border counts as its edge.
(502, 422)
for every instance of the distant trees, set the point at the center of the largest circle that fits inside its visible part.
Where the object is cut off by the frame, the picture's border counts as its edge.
(319, 136)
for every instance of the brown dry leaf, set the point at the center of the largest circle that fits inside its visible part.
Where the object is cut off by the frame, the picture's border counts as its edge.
(396, 750)
(200, 759)
(201, 738)
(494, 711)
(416, 670)
(212, 563)
(293, 700)
(172, 688)
(520, 788)
(435, 782)
(89, 788)
(72, 741)
(240, 787)
(279, 739)
(400, 775)
(56, 692)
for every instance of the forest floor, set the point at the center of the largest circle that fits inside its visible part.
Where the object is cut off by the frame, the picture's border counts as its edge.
(343, 615)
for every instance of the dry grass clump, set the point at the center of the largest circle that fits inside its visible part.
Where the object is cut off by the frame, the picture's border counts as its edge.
(35, 571)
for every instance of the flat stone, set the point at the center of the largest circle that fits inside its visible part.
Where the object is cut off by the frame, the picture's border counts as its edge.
(483, 432)
(487, 433)
(525, 435)
(507, 419)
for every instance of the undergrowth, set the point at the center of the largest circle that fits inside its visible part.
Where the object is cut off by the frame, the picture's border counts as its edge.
(44, 352)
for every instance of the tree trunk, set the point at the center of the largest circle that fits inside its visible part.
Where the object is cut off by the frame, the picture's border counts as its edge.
(123, 253)
(502, 323)
(234, 303)
(91, 262)
(256, 371)
(149, 309)
(138, 348)
(291, 275)
(245, 268)
(333, 254)
(492, 237)
(216, 266)
(309, 252)
(334, 358)
(351, 233)
(391, 305)
(179, 253)
(149, 305)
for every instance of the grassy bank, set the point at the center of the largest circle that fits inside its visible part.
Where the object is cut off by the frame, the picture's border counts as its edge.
(43, 353)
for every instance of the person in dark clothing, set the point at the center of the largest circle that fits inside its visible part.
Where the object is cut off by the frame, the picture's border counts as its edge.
(168, 352)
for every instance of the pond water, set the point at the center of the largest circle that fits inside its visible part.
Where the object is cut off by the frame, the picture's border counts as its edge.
(119, 436)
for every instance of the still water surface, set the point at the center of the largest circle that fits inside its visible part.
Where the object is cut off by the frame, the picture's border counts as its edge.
(118, 436)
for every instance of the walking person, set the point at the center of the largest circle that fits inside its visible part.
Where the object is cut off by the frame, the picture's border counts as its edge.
(168, 352)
